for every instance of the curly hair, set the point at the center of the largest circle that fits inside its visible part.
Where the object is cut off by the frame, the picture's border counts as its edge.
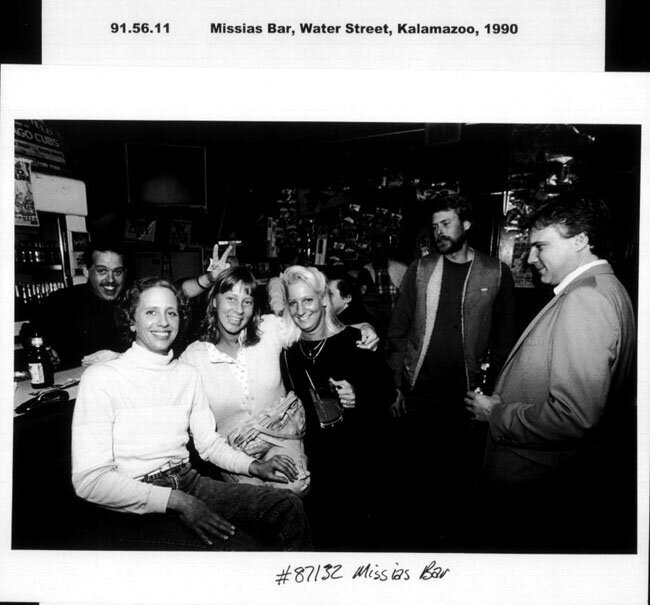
(225, 282)
(125, 312)
(452, 201)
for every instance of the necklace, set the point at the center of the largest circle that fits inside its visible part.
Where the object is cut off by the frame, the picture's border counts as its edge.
(312, 353)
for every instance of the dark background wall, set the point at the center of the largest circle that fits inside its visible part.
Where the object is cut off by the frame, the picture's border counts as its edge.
(376, 165)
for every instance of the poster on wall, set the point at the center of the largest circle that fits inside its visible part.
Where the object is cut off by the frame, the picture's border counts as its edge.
(180, 233)
(513, 243)
(24, 209)
(80, 243)
(42, 144)
(140, 229)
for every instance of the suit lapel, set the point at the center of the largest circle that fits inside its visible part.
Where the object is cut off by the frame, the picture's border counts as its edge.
(598, 269)
(531, 326)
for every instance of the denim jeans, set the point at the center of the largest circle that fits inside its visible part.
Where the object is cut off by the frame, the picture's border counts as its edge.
(264, 518)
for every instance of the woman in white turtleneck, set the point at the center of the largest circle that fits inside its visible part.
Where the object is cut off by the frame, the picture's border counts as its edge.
(132, 421)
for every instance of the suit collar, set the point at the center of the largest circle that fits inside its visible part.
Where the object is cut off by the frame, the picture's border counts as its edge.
(600, 269)
(576, 273)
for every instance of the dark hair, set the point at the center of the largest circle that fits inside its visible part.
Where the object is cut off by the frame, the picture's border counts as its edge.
(577, 213)
(346, 284)
(453, 201)
(227, 280)
(87, 257)
(125, 311)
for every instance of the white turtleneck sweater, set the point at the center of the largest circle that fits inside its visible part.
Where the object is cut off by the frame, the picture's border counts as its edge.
(131, 417)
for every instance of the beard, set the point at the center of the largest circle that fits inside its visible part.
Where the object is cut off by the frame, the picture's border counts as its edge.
(449, 245)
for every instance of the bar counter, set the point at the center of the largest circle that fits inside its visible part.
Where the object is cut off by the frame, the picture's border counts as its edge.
(24, 390)
(46, 513)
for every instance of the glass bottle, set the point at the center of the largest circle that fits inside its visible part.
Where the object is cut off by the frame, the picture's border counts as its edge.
(40, 366)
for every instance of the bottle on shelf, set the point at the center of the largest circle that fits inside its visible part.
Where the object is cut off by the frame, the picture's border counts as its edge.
(39, 363)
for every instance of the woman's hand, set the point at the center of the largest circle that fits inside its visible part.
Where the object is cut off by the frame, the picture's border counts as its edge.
(198, 516)
(369, 338)
(278, 464)
(345, 391)
(218, 264)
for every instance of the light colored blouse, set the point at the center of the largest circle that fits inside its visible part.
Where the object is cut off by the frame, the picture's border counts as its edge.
(239, 388)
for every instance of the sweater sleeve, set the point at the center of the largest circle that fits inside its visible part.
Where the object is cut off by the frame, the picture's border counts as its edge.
(94, 474)
(210, 444)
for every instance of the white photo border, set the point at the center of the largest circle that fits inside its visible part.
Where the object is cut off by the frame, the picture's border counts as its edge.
(84, 93)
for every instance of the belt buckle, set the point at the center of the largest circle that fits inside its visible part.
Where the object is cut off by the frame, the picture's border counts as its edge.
(161, 472)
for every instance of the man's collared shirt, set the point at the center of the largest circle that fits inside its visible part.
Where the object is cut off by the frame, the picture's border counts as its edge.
(575, 273)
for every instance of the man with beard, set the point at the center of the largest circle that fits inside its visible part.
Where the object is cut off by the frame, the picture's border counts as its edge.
(455, 306)
(78, 322)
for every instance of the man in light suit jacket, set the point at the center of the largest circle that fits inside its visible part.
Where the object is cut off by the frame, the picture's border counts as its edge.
(558, 451)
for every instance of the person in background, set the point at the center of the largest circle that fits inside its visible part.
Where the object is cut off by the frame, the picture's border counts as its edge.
(346, 297)
(454, 306)
(78, 322)
(559, 466)
(385, 272)
(386, 275)
(130, 429)
(237, 355)
(347, 506)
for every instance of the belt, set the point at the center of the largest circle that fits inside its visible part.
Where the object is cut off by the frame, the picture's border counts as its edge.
(163, 471)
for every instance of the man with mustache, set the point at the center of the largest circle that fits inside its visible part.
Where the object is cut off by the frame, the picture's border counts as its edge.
(78, 322)
(559, 465)
(454, 306)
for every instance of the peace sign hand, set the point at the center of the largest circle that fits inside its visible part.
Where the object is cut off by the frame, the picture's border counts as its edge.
(218, 264)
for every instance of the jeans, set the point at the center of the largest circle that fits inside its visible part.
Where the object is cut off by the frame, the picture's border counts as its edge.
(264, 518)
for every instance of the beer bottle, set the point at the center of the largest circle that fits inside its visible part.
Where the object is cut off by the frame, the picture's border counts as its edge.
(40, 365)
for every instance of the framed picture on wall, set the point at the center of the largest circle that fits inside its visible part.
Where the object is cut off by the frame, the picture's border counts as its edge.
(166, 175)
(180, 233)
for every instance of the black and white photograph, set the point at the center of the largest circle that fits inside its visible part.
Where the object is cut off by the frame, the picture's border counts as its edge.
(394, 390)
(384, 340)
(323, 334)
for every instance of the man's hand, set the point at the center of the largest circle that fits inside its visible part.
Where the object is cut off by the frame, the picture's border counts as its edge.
(97, 356)
(278, 464)
(199, 517)
(218, 264)
(369, 338)
(480, 406)
(345, 391)
(398, 407)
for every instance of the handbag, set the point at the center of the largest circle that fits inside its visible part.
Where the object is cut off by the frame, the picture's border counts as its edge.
(284, 419)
